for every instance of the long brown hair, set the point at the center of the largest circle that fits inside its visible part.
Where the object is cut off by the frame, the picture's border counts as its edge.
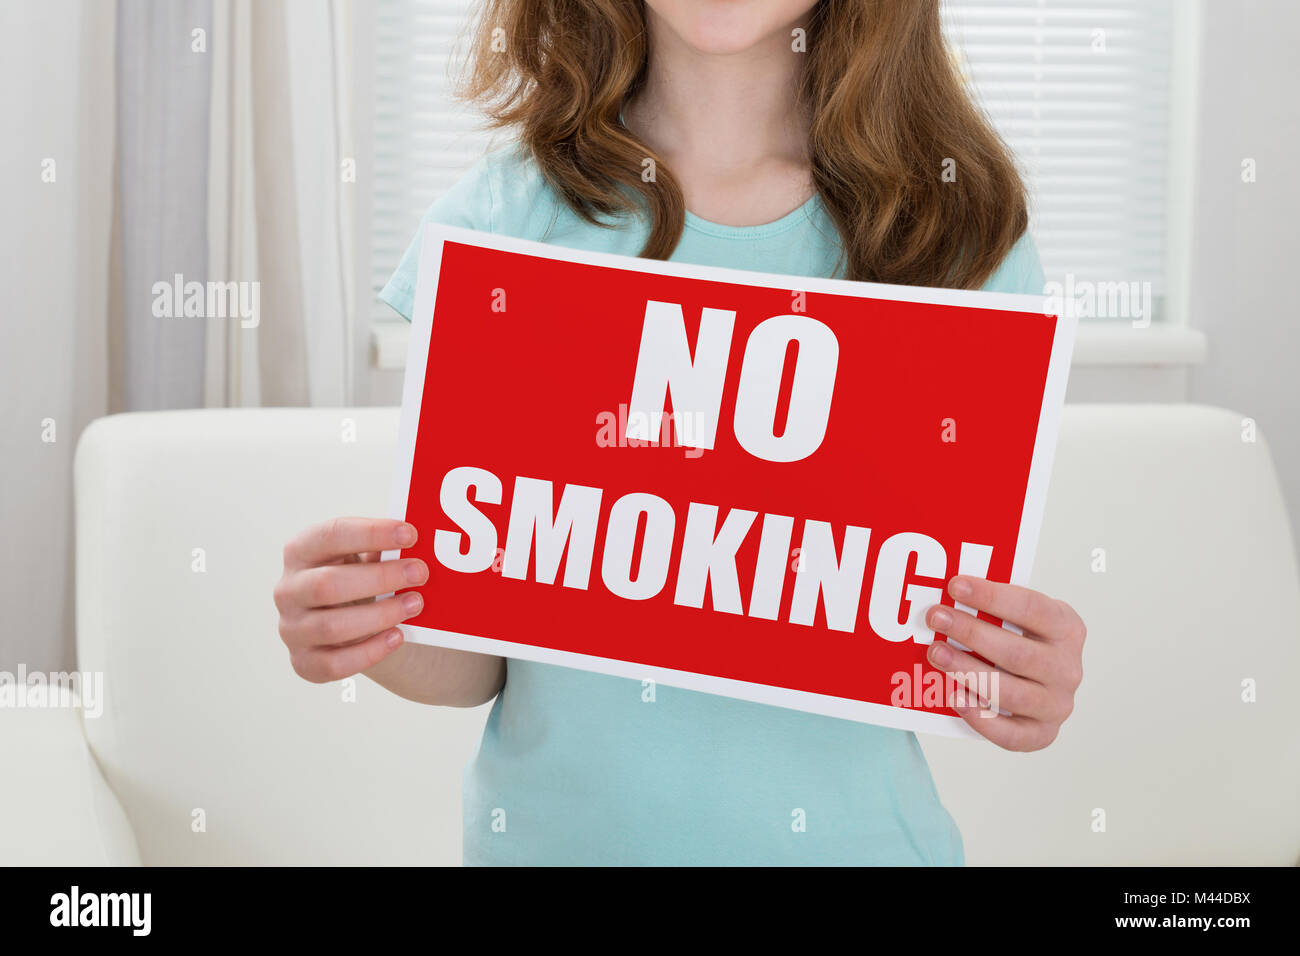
(889, 115)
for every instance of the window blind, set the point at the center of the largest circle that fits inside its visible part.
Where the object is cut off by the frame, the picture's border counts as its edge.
(424, 140)
(1079, 89)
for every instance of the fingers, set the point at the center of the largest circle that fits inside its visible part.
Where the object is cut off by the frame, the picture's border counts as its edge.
(340, 537)
(1014, 653)
(335, 626)
(1023, 698)
(335, 584)
(321, 665)
(1009, 732)
(1034, 676)
(327, 621)
(1028, 609)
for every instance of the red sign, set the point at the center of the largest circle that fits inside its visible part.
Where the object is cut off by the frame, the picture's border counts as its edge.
(747, 484)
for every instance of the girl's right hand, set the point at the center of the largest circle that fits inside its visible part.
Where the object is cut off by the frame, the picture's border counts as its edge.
(329, 618)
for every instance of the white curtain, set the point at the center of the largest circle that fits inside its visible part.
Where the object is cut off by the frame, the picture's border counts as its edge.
(207, 137)
(163, 91)
(283, 198)
(56, 175)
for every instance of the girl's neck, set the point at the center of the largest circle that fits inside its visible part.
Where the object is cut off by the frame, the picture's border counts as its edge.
(720, 112)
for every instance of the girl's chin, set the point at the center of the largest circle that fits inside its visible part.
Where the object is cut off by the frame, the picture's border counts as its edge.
(728, 31)
(725, 42)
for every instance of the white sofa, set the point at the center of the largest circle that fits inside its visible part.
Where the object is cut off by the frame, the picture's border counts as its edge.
(204, 719)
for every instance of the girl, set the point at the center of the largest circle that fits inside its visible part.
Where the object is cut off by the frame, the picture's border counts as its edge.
(784, 136)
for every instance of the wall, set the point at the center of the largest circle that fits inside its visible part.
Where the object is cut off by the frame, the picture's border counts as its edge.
(1247, 235)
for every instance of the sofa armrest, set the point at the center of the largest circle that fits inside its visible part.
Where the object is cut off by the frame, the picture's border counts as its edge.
(56, 809)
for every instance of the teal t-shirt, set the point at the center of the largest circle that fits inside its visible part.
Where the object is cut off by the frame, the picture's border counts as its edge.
(582, 768)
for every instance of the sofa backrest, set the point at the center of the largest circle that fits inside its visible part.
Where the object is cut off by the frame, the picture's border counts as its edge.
(202, 711)
(1198, 597)
(220, 754)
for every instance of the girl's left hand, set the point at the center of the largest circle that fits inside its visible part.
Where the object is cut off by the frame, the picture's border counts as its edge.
(1037, 673)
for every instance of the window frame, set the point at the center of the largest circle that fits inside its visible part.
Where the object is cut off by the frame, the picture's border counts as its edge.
(1167, 343)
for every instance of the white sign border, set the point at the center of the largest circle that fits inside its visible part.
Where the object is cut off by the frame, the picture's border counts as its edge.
(902, 718)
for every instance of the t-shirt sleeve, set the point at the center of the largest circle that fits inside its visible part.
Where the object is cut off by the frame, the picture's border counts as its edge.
(468, 203)
(1021, 271)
